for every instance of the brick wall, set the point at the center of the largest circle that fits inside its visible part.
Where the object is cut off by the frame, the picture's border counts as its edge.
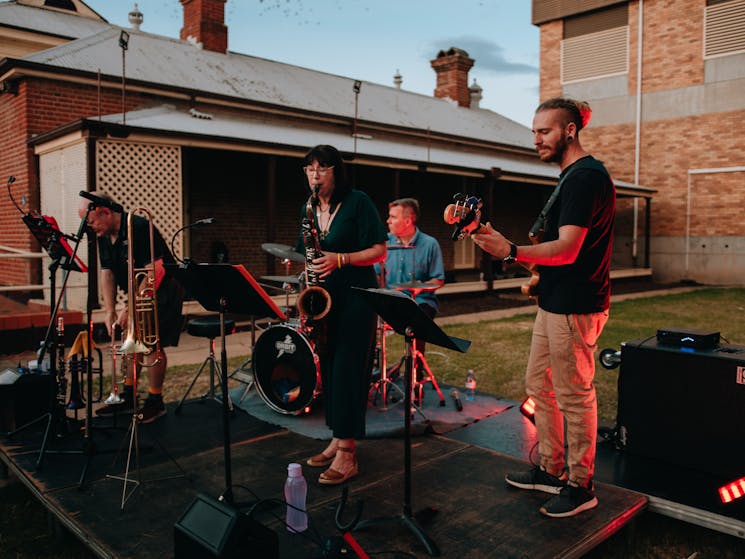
(692, 221)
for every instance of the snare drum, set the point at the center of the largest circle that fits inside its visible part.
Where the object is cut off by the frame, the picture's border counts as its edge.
(286, 369)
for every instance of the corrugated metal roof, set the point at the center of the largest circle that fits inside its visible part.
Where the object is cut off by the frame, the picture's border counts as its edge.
(170, 62)
(49, 21)
(171, 120)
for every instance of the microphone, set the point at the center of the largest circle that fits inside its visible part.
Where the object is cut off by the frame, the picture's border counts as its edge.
(456, 398)
(100, 202)
(198, 223)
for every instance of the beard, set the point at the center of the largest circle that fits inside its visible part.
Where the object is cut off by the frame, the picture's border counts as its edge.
(556, 154)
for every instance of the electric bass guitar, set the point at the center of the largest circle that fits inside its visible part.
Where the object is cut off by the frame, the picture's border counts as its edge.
(465, 214)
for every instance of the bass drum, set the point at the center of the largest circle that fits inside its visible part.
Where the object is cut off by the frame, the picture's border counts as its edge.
(286, 370)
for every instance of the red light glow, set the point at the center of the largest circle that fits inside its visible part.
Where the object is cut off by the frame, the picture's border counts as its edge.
(527, 408)
(732, 491)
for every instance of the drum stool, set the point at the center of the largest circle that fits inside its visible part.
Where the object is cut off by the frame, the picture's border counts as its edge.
(208, 327)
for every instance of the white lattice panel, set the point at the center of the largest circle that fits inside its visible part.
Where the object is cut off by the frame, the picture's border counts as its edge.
(144, 176)
(63, 174)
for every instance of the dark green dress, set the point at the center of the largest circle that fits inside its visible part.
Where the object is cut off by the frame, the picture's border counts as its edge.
(346, 366)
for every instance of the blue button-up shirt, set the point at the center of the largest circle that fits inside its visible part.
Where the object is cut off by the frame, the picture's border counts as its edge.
(421, 263)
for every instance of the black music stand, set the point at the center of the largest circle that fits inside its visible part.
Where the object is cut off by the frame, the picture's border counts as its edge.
(55, 243)
(225, 288)
(403, 315)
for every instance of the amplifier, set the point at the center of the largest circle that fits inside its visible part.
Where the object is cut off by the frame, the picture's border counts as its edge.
(688, 337)
(683, 405)
(24, 397)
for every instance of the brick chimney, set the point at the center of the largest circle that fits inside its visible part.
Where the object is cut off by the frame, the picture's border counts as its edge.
(204, 22)
(451, 67)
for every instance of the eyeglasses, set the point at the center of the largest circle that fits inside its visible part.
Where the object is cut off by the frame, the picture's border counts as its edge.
(320, 170)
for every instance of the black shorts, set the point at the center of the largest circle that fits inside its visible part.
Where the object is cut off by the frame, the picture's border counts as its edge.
(170, 300)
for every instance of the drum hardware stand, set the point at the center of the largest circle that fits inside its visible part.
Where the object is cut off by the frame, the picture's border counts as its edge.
(420, 362)
(214, 369)
(406, 318)
(222, 288)
(380, 386)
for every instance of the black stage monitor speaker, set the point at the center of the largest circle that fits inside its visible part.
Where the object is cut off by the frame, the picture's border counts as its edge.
(210, 528)
(684, 406)
(24, 397)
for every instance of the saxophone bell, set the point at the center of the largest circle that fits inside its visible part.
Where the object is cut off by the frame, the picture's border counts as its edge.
(314, 302)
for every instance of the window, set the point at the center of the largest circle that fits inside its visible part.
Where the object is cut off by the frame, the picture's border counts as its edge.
(595, 45)
(464, 254)
(724, 22)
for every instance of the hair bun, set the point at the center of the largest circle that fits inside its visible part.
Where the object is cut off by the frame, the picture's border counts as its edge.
(585, 112)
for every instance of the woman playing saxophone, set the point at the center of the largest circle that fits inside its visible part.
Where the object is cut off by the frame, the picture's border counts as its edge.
(352, 238)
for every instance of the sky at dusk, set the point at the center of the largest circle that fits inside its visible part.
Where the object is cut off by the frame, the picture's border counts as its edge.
(370, 40)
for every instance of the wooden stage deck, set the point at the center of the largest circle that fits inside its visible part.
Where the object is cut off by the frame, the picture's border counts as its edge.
(477, 514)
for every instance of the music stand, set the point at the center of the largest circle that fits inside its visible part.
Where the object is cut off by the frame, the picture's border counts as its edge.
(225, 288)
(46, 231)
(48, 234)
(406, 318)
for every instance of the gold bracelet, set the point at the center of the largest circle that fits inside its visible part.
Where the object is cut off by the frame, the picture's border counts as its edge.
(338, 259)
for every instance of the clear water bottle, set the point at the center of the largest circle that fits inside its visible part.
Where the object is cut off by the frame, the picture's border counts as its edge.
(296, 490)
(470, 385)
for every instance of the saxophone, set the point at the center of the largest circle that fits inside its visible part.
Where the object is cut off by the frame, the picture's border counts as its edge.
(314, 302)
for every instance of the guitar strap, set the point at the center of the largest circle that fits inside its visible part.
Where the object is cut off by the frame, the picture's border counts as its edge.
(584, 163)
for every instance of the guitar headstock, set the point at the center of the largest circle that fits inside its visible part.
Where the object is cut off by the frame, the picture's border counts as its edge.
(465, 213)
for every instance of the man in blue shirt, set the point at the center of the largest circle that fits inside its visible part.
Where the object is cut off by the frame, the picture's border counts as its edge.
(414, 258)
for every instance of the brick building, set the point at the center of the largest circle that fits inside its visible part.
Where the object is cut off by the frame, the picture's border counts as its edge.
(666, 81)
(189, 130)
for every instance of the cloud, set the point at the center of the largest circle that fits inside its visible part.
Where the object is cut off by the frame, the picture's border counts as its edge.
(489, 56)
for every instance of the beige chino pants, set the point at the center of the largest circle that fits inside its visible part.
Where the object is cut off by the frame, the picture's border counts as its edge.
(559, 379)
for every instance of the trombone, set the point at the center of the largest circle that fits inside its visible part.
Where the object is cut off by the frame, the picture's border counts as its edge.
(114, 397)
(143, 332)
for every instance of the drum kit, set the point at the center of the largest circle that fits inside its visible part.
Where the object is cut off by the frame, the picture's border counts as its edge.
(285, 366)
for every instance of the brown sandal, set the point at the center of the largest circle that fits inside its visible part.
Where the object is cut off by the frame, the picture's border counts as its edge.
(320, 460)
(334, 477)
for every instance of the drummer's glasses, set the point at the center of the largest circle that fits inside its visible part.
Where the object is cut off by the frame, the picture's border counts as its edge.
(320, 170)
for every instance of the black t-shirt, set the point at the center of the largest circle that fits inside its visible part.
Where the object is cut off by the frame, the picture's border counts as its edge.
(587, 199)
(114, 256)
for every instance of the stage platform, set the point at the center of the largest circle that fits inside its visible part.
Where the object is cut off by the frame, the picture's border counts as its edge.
(477, 514)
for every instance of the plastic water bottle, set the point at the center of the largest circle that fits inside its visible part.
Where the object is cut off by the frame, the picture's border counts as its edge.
(296, 490)
(470, 385)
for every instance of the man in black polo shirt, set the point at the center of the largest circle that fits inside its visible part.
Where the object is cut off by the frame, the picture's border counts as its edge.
(110, 228)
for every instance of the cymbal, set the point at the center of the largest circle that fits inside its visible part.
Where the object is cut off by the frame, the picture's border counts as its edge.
(398, 247)
(283, 251)
(295, 280)
(415, 286)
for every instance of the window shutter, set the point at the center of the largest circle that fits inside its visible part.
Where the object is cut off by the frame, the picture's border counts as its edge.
(595, 55)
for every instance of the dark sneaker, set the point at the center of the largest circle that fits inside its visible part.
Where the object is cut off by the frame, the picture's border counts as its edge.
(572, 500)
(151, 410)
(537, 479)
(111, 409)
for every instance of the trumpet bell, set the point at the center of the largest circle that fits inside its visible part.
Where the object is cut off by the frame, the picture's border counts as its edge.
(132, 345)
(113, 398)
(74, 404)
